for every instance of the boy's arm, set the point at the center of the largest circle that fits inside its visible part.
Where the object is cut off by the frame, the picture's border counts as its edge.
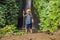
(23, 13)
(32, 20)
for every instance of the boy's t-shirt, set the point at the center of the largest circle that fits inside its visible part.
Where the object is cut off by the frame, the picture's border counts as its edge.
(28, 19)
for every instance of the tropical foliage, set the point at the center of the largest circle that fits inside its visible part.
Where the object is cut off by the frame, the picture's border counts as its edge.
(48, 12)
(10, 29)
(9, 10)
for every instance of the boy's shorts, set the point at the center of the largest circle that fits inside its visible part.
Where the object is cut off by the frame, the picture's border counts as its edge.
(27, 26)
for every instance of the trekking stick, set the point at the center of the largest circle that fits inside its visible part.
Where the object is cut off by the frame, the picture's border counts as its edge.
(23, 18)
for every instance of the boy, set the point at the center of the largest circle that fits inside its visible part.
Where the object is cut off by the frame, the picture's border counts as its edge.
(28, 20)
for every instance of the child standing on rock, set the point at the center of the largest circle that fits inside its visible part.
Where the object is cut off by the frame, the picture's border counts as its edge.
(28, 20)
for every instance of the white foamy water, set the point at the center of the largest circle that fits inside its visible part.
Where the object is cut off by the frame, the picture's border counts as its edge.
(28, 4)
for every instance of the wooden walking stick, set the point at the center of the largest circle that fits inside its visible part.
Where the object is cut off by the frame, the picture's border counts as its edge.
(23, 17)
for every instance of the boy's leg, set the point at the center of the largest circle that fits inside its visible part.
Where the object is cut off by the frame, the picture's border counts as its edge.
(31, 28)
(26, 28)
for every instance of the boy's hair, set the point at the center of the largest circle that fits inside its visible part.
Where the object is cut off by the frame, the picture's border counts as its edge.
(28, 10)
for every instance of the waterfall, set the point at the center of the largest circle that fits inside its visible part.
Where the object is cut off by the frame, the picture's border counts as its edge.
(28, 4)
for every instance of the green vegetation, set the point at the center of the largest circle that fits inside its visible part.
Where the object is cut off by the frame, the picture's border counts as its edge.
(10, 29)
(49, 13)
(9, 12)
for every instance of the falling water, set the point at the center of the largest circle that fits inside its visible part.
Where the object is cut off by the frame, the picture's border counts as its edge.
(28, 4)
